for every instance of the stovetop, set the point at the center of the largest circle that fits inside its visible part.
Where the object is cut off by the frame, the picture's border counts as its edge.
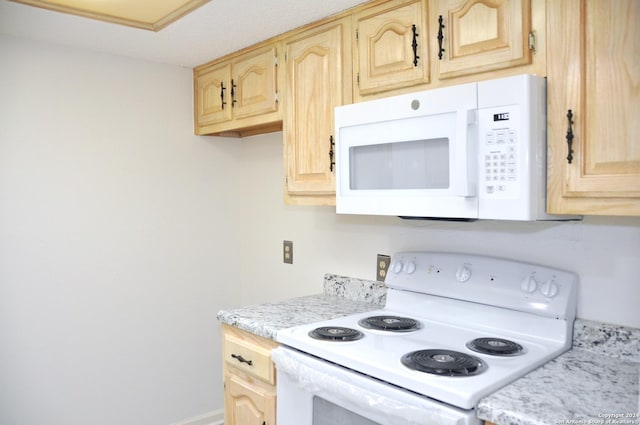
(446, 326)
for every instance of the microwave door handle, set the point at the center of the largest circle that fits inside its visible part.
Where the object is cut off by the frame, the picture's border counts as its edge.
(465, 161)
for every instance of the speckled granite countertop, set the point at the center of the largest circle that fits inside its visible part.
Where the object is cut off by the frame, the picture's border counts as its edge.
(266, 320)
(341, 296)
(595, 383)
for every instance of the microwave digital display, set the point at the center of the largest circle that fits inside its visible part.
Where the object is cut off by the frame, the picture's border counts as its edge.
(504, 116)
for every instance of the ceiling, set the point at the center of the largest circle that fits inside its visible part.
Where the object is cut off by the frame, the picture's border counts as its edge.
(214, 29)
(152, 15)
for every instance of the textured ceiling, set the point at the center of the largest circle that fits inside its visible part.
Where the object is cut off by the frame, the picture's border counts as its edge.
(217, 28)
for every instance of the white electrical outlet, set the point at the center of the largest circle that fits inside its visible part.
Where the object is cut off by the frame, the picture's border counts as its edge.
(287, 252)
(382, 266)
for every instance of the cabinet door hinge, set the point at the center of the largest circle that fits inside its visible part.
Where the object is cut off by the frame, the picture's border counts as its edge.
(277, 96)
(275, 60)
(358, 78)
(357, 35)
(532, 41)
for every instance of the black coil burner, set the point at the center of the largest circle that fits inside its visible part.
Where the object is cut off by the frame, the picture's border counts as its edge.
(389, 323)
(495, 346)
(443, 362)
(335, 333)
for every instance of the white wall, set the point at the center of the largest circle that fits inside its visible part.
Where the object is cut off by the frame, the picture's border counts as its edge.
(605, 252)
(112, 267)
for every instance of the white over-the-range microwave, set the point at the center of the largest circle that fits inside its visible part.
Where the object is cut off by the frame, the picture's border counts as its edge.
(471, 151)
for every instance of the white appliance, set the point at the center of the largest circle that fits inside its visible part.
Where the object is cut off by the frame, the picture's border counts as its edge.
(471, 151)
(455, 328)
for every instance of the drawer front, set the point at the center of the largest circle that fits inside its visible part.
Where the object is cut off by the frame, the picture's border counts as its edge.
(249, 357)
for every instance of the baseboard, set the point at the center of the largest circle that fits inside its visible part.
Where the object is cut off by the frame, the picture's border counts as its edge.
(212, 418)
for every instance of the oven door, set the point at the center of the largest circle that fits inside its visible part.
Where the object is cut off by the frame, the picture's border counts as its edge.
(311, 391)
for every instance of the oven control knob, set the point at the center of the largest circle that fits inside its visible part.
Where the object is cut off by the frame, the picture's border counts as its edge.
(396, 266)
(463, 274)
(549, 289)
(529, 284)
(409, 267)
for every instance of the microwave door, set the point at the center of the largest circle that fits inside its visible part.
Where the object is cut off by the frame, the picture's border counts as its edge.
(400, 166)
(419, 166)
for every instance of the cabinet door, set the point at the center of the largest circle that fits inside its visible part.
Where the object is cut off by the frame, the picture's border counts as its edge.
(481, 35)
(254, 84)
(318, 80)
(593, 70)
(213, 96)
(247, 403)
(391, 47)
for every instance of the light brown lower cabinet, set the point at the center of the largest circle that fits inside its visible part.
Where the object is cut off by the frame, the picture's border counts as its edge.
(247, 403)
(249, 378)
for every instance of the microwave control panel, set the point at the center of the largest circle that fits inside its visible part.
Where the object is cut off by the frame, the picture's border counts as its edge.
(500, 147)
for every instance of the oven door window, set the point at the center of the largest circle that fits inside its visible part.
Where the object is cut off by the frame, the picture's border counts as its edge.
(327, 413)
(416, 164)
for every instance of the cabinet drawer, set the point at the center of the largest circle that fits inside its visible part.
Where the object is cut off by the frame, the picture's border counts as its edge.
(249, 353)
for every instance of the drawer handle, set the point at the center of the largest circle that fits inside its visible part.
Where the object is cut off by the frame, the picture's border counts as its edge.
(241, 359)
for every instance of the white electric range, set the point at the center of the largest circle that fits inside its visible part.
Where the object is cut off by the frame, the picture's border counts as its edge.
(454, 329)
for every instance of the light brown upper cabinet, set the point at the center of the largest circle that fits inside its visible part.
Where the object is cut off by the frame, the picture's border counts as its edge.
(391, 47)
(239, 95)
(408, 45)
(474, 36)
(593, 107)
(318, 69)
